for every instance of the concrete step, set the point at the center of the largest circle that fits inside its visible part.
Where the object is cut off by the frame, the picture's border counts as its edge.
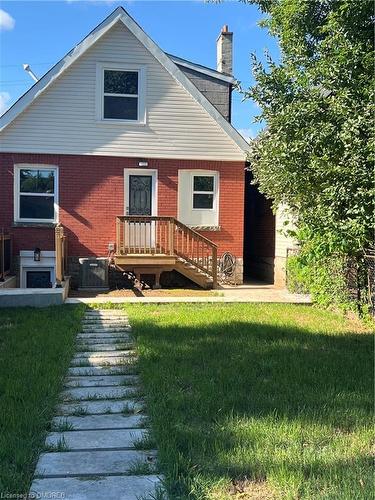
(89, 371)
(106, 406)
(104, 381)
(82, 347)
(103, 329)
(103, 360)
(94, 339)
(95, 393)
(108, 487)
(101, 354)
(96, 439)
(98, 463)
(102, 335)
(107, 312)
(115, 421)
(105, 319)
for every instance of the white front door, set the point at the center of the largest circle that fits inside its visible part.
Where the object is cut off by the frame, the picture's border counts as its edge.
(140, 189)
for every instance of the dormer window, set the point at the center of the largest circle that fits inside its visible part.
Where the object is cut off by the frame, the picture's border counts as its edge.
(120, 94)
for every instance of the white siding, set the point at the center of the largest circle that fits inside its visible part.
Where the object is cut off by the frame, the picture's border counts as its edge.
(282, 241)
(62, 119)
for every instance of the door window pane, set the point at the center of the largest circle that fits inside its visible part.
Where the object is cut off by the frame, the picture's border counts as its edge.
(122, 108)
(203, 200)
(203, 183)
(120, 82)
(36, 181)
(140, 194)
(36, 207)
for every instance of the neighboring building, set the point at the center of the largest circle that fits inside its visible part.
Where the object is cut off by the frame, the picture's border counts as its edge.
(120, 128)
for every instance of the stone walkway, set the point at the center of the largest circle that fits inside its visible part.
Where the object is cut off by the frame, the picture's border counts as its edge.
(100, 446)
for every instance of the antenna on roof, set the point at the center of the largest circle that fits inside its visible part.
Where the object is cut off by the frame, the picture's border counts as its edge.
(28, 70)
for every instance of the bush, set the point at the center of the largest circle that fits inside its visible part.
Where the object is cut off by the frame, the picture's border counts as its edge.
(325, 278)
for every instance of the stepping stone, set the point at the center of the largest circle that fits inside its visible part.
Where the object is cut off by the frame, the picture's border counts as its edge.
(88, 371)
(103, 361)
(100, 487)
(96, 439)
(109, 380)
(100, 407)
(94, 393)
(100, 340)
(111, 335)
(105, 321)
(115, 347)
(102, 329)
(101, 354)
(83, 463)
(115, 421)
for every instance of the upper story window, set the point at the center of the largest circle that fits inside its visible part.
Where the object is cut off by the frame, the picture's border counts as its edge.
(120, 94)
(35, 193)
(203, 191)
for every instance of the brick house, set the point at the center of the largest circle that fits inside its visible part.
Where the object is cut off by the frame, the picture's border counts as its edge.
(132, 151)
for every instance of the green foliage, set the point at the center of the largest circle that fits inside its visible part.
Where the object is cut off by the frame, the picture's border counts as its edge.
(323, 278)
(316, 153)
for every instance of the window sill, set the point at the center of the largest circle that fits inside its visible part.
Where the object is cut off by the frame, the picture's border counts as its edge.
(206, 228)
(43, 225)
(110, 121)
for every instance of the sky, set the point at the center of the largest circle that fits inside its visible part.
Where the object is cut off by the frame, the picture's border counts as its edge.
(40, 33)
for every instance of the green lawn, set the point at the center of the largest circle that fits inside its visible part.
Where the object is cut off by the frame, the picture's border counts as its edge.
(35, 350)
(258, 401)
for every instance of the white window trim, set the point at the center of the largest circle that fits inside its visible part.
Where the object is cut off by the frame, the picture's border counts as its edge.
(34, 166)
(214, 192)
(99, 100)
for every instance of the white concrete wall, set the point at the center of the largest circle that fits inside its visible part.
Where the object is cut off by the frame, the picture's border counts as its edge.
(282, 243)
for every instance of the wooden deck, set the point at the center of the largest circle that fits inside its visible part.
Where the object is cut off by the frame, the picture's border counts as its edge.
(151, 245)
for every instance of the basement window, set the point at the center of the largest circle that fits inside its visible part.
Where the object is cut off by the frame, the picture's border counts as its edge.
(35, 193)
(120, 94)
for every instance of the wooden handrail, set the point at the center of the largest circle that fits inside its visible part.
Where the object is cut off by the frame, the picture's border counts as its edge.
(165, 235)
(4, 270)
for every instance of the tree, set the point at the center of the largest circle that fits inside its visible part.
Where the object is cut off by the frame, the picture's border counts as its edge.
(316, 153)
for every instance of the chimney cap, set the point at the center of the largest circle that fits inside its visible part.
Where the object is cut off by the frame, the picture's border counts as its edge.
(224, 29)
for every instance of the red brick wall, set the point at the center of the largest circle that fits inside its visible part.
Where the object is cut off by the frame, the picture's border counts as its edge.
(91, 194)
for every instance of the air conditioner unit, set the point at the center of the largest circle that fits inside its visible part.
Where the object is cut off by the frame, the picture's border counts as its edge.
(93, 273)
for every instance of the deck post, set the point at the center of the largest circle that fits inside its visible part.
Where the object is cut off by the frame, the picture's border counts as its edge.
(58, 256)
(214, 267)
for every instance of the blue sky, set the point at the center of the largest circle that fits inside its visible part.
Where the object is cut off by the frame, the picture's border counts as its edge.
(41, 32)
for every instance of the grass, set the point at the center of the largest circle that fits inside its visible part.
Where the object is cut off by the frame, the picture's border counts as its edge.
(36, 346)
(257, 401)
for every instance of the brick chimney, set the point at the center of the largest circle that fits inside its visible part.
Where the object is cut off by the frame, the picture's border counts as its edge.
(224, 46)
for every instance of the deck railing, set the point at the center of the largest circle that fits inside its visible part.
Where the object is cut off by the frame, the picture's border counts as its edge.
(5, 254)
(61, 254)
(151, 235)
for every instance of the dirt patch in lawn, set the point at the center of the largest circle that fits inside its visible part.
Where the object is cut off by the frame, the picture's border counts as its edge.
(244, 489)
